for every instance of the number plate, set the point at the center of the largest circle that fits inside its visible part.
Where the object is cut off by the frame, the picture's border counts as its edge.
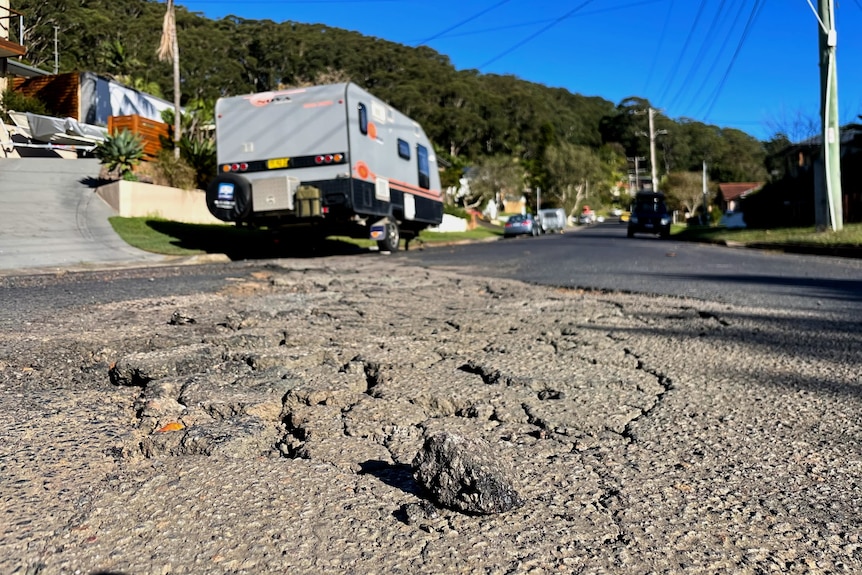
(277, 163)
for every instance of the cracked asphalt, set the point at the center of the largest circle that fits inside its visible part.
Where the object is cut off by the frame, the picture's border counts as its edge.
(269, 426)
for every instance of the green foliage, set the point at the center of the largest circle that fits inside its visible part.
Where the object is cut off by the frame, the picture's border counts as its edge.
(121, 152)
(495, 177)
(575, 175)
(456, 211)
(469, 116)
(197, 144)
(20, 103)
(200, 155)
(684, 191)
(176, 172)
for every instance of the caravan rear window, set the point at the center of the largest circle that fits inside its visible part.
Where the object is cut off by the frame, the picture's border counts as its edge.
(424, 170)
(363, 119)
(403, 149)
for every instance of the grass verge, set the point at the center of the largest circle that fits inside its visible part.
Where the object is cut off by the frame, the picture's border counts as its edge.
(850, 236)
(179, 239)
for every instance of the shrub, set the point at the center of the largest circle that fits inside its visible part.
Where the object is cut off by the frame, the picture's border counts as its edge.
(458, 211)
(174, 172)
(121, 152)
(18, 102)
(200, 154)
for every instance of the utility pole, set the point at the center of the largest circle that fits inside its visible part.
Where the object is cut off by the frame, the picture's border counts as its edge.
(635, 183)
(652, 134)
(705, 197)
(56, 51)
(652, 150)
(830, 194)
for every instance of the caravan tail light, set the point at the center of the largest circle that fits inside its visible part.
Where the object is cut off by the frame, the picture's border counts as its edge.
(235, 167)
(328, 159)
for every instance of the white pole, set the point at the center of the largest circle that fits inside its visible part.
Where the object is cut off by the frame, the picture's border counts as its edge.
(652, 150)
(56, 52)
(705, 202)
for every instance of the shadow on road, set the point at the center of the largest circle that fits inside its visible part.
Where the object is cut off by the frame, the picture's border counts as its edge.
(240, 243)
(849, 290)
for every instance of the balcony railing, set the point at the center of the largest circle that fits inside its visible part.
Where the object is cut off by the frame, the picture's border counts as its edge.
(11, 33)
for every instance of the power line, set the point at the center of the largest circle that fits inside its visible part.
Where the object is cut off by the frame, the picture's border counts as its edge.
(462, 22)
(698, 62)
(546, 20)
(534, 35)
(748, 25)
(684, 46)
(661, 38)
(724, 44)
(281, 2)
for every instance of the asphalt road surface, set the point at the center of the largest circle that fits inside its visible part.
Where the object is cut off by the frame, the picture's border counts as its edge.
(263, 416)
(601, 257)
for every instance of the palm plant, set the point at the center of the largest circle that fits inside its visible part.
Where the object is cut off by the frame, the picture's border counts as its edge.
(169, 49)
(121, 152)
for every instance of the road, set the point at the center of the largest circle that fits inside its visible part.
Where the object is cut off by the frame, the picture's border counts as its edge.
(263, 416)
(598, 257)
(601, 257)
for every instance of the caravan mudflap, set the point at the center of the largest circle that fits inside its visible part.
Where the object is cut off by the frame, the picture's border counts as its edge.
(386, 233)
(379, 229)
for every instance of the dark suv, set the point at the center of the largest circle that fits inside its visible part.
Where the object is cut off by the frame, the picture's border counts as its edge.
(649, 215)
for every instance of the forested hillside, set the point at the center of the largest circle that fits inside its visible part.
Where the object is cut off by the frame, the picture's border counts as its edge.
(566, 143)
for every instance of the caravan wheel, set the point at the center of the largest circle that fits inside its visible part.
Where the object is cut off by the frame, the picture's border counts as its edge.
(392, 240)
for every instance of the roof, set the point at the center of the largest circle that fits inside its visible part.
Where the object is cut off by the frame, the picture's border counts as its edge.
(17, 68)
(849, 133)
(734, 190)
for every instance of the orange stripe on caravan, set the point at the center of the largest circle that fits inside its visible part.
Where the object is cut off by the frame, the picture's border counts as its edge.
(405, 187)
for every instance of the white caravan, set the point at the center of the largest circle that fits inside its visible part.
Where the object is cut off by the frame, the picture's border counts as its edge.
(332, 158)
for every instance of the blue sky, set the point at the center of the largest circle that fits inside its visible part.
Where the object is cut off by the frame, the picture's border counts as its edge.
(746, 64)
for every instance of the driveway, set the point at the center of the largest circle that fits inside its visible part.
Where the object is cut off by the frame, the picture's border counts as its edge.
(53, 218)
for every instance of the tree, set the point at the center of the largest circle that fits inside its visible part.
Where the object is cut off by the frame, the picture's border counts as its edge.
(494, 178)
(684, 190)
(169, 50)
(795, 126)
(571, 170)
(467, 114)
(742, 158)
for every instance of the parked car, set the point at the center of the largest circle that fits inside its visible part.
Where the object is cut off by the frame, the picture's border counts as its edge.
(522, 225)
(649, 215)
(552, 220)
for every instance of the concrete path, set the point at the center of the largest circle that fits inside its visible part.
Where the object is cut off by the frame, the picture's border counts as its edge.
(53, 218)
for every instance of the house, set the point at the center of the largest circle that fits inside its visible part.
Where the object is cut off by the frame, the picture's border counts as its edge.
(10, 28)
(733, 192)
(514, 203)
(91, 98)
(799, 162)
